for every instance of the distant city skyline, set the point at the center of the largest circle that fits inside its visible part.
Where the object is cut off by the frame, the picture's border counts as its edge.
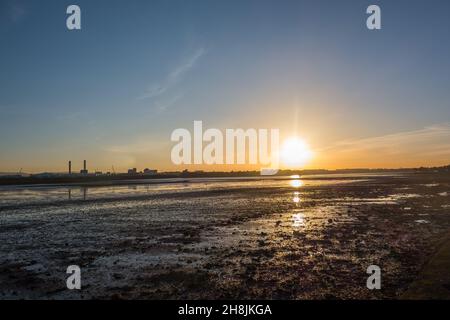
(113, 92)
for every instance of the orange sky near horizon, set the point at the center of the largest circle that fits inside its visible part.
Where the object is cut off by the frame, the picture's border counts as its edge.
(426, 147)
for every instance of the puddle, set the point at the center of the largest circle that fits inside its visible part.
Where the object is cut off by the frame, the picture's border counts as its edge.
(430, 185)
(422, 221)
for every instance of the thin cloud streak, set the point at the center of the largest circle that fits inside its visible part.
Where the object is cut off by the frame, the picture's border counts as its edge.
(423, 146)
(173, 77)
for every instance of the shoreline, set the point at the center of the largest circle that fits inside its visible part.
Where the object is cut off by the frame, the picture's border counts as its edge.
(132, 180)
(111, 179)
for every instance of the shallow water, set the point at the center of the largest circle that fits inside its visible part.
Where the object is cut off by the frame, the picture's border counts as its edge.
(16, 195)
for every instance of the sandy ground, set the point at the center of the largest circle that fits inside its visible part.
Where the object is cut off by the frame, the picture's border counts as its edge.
(266, 242)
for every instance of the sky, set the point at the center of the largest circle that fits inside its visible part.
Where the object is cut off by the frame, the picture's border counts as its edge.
(113, 92)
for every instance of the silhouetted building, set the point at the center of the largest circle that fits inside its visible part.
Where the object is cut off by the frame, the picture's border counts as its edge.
(132, 171)
(148, 171)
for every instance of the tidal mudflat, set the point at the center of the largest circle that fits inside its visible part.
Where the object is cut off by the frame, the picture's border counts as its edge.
(283, 238)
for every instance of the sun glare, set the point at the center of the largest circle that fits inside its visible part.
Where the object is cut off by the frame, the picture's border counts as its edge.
(296, 183)
(295, 152)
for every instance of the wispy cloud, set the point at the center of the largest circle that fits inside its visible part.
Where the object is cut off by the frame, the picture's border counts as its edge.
(174, 77)
(392, 141)
(71, 116)
(426, 146)
(164, 104)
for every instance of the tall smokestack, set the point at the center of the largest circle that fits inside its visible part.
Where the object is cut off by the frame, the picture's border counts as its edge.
(84, 164)
(70, 167)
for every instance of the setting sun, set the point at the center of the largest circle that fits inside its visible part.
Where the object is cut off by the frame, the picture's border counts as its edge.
(295, 152)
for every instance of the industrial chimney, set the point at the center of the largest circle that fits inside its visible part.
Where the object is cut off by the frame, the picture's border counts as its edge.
(84, 171)
(70, 167)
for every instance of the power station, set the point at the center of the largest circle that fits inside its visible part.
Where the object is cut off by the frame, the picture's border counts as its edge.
(82, 171)
(131, 172)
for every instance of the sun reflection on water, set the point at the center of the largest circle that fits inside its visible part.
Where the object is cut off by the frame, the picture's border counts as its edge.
(297, 183)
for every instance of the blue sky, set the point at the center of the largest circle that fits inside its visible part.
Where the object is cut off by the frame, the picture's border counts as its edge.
(115, 90)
